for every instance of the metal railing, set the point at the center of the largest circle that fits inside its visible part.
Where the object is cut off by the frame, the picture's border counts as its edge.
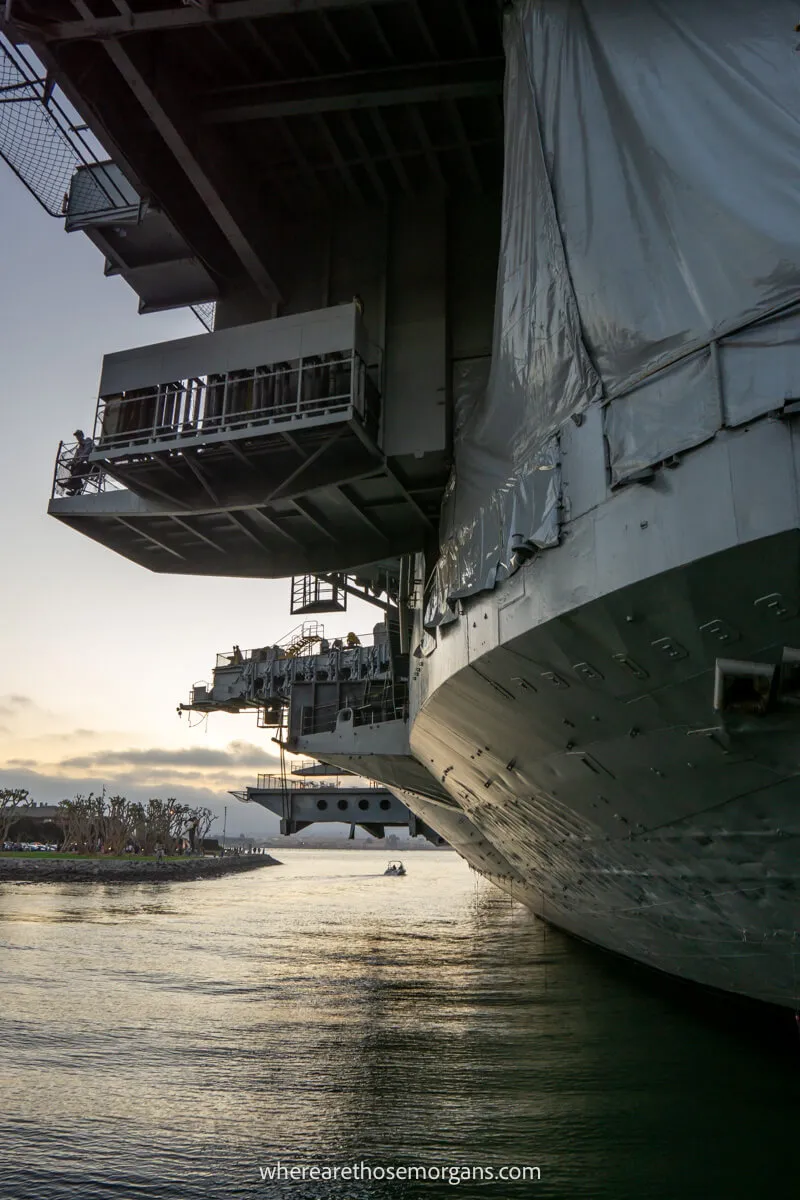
(307, 639)
(206, 405)
(303, 636)
(349, 783)
(230, 658)
(316, 593)
(76, 476)
(391, 706)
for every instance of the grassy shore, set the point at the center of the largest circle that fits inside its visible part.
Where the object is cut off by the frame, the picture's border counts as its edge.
(71, 856)
(42, 866)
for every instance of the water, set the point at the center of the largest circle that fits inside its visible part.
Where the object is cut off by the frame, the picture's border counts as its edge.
(168, 1041)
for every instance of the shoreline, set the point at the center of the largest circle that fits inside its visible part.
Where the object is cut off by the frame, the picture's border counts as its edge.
(126, 870)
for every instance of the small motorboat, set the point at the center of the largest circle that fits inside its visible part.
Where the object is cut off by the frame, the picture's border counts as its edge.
(395, 868)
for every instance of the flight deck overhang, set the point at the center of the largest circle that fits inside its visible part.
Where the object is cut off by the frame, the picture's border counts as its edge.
(233, 114)
(338, 527)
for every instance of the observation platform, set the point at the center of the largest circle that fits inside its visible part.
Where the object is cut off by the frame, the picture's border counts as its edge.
(243, 414)
(343, 705)
(303, 802)
(326, 670)
(253, 451)
(371, 741)
(343, 702)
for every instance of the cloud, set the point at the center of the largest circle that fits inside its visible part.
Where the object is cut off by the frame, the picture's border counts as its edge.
(191, 759)
(198, 770)
(10, 704)
(68, 737)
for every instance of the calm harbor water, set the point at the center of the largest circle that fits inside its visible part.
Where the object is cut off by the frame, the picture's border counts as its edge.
(169, 1040)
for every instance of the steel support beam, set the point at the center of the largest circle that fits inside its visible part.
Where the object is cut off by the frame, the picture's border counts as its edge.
(260, 515)
(378, 30)
(239, 454)
(187, 16)
(299, 157)
(305, 510)
(338, 158)
(408, 496)
(248, 532)
(466, 149)
(418, 121)
(357, 140)
(295, 445)
(200, 477)
(202, 536)
(357, 592)
(163, 117)
(422, 25)
(148, 537)
(358, 510)
(300, 470)
(391, 151)
(417, 84)
(133, 484)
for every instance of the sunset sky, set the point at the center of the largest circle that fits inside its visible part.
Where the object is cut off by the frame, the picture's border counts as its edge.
(95, 652)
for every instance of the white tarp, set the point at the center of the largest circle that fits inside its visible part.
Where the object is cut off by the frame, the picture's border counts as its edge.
(651, 207)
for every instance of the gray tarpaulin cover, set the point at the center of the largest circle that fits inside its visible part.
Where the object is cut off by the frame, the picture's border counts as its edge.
(651, 207)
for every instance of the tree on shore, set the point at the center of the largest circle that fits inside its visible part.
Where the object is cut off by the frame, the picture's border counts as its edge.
(122, 819)
(11, 800)
(82, 821)
(112, 823)
(202, 820)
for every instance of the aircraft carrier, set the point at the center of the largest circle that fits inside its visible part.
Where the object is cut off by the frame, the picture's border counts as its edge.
(503, 305)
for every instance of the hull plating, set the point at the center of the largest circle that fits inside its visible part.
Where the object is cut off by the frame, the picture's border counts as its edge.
(594, 781)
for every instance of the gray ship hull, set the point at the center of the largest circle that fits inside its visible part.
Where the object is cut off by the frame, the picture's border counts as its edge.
(589, 773)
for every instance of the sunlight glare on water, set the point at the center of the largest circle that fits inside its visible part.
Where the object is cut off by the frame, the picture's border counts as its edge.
(168, 1040)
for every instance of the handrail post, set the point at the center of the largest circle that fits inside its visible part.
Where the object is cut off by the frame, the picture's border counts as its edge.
(55, 469)
(224, 411)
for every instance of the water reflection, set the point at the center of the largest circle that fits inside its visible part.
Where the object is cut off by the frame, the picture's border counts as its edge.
(166, 1041)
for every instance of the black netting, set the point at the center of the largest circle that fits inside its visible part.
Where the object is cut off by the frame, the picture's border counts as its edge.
(205, 314)
(44, 143)
(32, 141)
